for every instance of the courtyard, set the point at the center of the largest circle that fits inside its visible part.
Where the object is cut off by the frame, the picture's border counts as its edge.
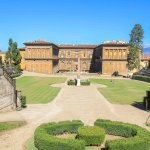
(84, 103)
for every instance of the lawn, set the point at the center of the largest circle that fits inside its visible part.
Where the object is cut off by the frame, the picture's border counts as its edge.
(121, 91)
(11, 125)
(39, 89)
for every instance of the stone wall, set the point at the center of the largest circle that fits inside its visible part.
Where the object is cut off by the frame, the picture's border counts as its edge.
(6, 95)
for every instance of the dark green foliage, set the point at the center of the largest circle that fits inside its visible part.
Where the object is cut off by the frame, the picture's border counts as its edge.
(141, 78)
(1, 61)
(137, 138)
(85, 82)
(91, 135)
(136, 47)
(71, 82)
(13, 57)
(23, 101)
(82, 82)
(45, 139)
(14, 75)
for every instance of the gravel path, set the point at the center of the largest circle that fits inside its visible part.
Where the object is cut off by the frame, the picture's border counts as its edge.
(83, 103)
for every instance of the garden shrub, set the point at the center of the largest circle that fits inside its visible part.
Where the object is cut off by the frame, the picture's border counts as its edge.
(45, 139)
(71, 82)
(14, 75)
(137, 138)
(23, 101)
(141, 78)
(91, 135)
(85, 82)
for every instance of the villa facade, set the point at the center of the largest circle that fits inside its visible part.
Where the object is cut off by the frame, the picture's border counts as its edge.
(49, 58)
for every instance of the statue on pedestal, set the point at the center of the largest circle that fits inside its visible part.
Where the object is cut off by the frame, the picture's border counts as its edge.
(78, 73)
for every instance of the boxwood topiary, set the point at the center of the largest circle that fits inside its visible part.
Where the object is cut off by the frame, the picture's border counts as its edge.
(137, 138)
(91, 135)
(45, 139)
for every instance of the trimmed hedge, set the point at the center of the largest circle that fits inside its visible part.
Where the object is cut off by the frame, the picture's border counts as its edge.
(71, 82)
(23, 101)
(85, 82)
(45, 139)
(137, 138)
(141, 78)
(91, 135)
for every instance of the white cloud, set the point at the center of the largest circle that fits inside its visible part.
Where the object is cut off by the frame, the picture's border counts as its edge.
(146, 45)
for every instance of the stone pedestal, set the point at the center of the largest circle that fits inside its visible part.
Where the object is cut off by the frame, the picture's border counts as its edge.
(78, 82)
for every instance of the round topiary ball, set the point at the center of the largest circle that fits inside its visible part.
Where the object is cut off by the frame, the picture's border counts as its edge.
(92, 135)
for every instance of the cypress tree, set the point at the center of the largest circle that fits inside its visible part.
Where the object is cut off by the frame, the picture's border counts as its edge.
(136, 47)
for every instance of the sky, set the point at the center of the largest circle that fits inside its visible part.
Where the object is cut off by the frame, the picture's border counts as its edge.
(72, 21)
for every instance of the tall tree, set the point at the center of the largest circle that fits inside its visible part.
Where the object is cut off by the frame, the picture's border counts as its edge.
(8, 55)
(136, 47)
(13, 56)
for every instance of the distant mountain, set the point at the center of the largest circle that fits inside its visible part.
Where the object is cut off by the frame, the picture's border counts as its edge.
(146, 50)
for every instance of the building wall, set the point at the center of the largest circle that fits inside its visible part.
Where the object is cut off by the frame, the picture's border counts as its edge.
(40, 66)
(2, 54)
(111, 58)
(41, 59)
(22, 53)
(68, 59)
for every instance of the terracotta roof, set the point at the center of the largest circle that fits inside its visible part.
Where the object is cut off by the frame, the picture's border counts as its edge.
(145, 57)
(22, 49)
(38, 42)
(2, 52)
(82, 46)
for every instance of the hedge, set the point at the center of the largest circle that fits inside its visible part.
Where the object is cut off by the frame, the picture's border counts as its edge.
(71, 82)
(23, 101)
(85, 82)
(91, 135)
(45, 139)
(137, 138)
(141, 78)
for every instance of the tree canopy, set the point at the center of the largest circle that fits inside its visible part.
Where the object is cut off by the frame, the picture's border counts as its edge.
(13, 57)
(136, 47)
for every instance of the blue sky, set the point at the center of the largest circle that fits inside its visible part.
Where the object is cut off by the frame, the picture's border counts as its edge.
(72, 21)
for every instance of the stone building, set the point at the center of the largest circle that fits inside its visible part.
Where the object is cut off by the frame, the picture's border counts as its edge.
(49, 58)
(40, 56)
(69, 54)
(111, 56)
(2, 55)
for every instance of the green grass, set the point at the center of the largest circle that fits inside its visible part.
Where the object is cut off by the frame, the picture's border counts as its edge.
(11, 125)
(39, 89)
(123, 91)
